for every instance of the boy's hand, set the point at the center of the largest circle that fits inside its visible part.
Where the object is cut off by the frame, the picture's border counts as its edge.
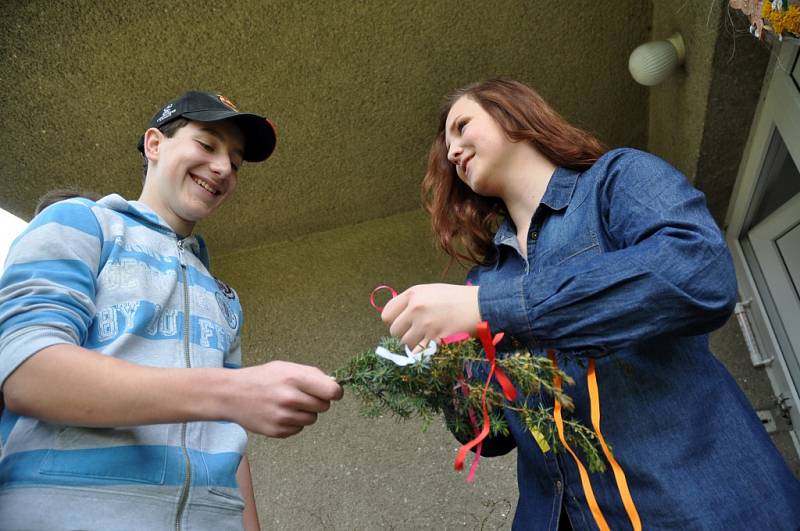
(71, 385)
(278, 399)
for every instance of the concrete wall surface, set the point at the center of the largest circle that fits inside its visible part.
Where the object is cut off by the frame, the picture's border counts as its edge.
(307, 301)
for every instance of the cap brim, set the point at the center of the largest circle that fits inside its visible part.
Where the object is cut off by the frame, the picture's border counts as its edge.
(259, 133)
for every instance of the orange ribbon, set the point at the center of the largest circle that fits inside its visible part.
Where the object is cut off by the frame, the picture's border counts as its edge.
(587, 485)
(488, 342)
(619, 475)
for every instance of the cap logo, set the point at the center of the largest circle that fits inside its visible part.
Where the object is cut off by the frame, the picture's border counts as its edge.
(227, 103)
(166, 112)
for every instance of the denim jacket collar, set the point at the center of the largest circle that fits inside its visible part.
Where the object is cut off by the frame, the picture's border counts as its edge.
(556, 197)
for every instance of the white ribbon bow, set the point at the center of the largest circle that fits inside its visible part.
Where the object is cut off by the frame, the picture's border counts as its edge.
(410, 357)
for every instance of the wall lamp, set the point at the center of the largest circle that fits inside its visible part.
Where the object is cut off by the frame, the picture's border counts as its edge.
(653, 62)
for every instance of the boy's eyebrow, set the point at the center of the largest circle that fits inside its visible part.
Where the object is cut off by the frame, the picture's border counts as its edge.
(221, 138)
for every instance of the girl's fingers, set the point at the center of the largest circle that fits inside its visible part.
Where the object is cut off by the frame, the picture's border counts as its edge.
(393, 308)
(413, 338)
(419, 347)
(401, 324)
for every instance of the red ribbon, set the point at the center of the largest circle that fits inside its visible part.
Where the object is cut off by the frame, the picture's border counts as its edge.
(376, 290)
(455, 338)
(473, 421)
(488, 342)
(485, 335)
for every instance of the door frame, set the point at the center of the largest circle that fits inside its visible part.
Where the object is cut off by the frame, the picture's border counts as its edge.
(778, 112)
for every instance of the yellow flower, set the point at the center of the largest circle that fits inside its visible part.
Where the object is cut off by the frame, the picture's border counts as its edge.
(766, 9)
(788, 20)
(791, 19)
(776, 21)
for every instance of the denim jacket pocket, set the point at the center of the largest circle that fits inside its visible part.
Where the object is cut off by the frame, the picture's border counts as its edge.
(102, 453)
(568, 249)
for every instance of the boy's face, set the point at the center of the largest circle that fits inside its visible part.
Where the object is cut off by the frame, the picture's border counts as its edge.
(193, 172)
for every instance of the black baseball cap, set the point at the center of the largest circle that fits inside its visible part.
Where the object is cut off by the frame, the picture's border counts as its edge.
(259, 133)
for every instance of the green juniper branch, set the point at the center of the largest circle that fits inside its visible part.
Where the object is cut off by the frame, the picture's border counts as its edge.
(434, 386)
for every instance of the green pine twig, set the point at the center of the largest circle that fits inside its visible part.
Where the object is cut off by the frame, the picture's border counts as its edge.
(433, 387)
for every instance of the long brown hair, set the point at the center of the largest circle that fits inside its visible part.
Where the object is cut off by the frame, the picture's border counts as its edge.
(463, 221)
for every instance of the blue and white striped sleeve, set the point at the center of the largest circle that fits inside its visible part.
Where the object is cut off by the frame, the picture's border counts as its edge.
(233, 356)
(47, 291)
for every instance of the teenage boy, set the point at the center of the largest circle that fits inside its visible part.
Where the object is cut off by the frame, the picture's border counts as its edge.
(125, 403)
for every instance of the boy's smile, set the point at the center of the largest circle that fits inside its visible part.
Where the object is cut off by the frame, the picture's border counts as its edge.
(206, 186)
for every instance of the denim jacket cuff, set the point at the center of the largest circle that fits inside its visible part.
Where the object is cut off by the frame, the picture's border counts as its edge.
(502, 304)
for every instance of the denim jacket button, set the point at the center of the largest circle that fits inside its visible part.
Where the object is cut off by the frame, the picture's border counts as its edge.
(534, 235)
(558, 486)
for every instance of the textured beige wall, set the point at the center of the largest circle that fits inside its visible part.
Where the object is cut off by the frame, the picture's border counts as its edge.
(678, 105)
(352, 85)
(307, 301)
(699, 117)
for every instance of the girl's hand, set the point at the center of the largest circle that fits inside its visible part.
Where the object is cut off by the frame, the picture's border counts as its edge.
(432, 311)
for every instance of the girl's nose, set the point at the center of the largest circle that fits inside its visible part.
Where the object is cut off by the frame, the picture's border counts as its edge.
(453, 153)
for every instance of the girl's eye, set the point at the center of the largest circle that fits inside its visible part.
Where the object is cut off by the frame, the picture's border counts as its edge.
(235, 166)
(205, 146)
(461, 126)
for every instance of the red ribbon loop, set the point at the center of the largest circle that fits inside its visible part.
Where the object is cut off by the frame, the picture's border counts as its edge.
(455, 338)
(485, 335)
(376, 290)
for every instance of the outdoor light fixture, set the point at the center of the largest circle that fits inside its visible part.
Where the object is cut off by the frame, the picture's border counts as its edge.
(653, 62)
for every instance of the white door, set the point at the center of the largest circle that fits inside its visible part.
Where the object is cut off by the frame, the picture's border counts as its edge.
(763, 232)
(776, 245)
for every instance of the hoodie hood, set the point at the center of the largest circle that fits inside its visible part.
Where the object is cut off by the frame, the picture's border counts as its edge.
(144, 214)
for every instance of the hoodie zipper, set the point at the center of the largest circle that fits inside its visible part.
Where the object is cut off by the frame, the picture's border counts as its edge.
(187, 482)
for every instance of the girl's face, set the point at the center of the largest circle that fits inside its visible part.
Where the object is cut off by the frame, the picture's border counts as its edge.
(477, 146)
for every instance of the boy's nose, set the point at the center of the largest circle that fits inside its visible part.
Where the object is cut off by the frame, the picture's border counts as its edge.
(222, 166)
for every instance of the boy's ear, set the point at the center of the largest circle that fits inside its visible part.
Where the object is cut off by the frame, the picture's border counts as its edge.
(152, 143)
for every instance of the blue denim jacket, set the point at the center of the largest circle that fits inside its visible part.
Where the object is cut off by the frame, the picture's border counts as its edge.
(626, 265)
